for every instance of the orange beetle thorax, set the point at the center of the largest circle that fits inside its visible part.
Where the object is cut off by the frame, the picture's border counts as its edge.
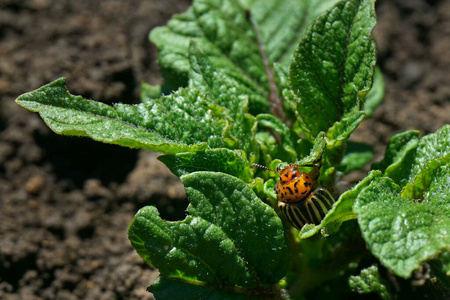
(295, 185)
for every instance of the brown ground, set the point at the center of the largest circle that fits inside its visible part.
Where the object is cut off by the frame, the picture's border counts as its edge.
(64, 210)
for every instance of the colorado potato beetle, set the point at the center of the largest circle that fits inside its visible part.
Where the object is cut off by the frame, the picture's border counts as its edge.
(300, 199)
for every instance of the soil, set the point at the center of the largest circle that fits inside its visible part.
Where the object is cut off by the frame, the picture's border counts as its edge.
(64, 209)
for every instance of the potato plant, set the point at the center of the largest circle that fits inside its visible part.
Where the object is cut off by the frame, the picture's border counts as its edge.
(273, 83)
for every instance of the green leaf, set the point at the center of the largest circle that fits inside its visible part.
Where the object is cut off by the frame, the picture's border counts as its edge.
(218, 160)
(172, 42)
(222, 89)
(280, 144)
(421, 183)
(150, 92)
(398, 148)
(316, 152)
(369, 281)
(229, 239)
(181, 122)
(410, 161)
(225, 92)
(341, 130)
(332, 69)
(433, 151)
(401, 233)
(237, 36)
(445, 258)
(191, 250)
(282, 23)
(337, 136)
(438, 188)
(342, 210)
(272, 122)
(228, 201)
(357, 155)
(269, 192)
(376, 93)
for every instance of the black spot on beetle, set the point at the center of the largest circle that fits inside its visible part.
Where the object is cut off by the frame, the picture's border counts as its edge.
(290, 190)
(307, 184)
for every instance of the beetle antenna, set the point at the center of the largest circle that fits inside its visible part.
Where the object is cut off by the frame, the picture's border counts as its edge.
(264, 167)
